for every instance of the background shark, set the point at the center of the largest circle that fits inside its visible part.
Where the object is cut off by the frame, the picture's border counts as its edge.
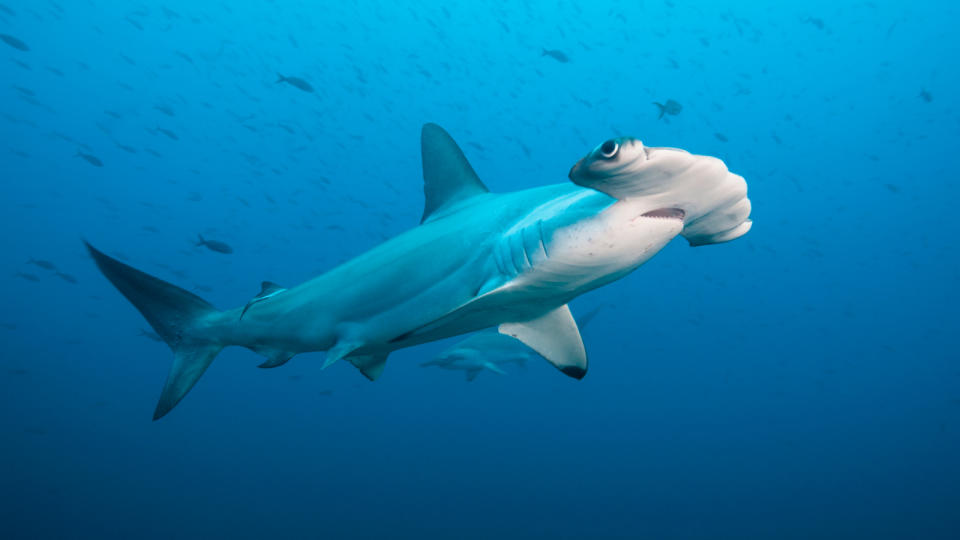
(477, 260)
(490, 350)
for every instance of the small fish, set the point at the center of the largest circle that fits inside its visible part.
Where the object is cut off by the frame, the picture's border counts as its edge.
(721, 137)
(126, 148)
(557, 55)
(214, 245)
(90, 158)
(67, 277)
(7, 10)
(184, 56)
(671, 107)
(14, 42)
(135, 24)
(893, 188)
(27, 276)
(816, 22)
(295, 82)
(926, 96)
(40, 263)
(168, 133)
(165, 109)
(62, 137)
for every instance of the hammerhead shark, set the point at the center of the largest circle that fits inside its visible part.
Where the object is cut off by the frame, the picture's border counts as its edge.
(477, 260)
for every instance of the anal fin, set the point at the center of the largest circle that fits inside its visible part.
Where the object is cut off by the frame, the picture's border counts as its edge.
(276, 360)
(370, 365)
(555, 337)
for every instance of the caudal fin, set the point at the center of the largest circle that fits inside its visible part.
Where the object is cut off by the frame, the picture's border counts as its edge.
(180, 317)
(280, 78)
(662, 107)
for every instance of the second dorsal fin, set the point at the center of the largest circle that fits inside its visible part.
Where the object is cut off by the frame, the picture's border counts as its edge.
(448, 177)
(267, 289)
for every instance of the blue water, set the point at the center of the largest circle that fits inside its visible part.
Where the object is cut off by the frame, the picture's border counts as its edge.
(800, 382)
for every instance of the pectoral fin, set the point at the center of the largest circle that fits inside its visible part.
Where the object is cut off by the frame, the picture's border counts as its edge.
(494, 368)
(555, 337)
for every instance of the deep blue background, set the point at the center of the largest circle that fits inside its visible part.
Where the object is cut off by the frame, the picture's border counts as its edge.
(799, 382)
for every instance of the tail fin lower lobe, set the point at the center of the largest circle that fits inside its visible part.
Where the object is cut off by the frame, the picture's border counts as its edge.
(178, 316)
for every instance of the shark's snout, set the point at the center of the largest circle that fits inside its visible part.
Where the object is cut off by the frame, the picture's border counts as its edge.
(670, 184)
(723, 223)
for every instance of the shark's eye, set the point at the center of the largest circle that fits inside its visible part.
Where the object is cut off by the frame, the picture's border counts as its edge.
(609, 149)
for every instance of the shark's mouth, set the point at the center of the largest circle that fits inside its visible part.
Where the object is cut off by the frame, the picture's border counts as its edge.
(666, 213)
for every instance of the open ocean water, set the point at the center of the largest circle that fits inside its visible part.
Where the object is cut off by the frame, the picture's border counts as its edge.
(799, 382)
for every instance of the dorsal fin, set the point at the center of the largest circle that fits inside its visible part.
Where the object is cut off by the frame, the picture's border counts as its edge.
(448, 177)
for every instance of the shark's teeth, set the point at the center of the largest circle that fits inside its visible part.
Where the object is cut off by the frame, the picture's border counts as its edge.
(666, 213)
